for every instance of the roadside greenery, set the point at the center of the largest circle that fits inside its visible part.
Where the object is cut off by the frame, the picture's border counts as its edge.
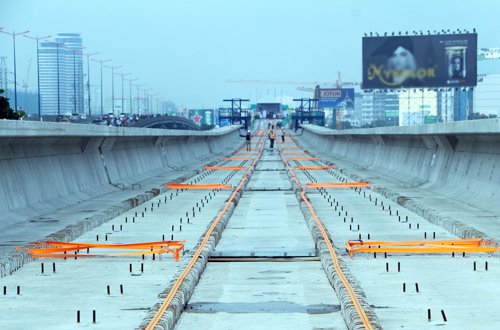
(6, 111)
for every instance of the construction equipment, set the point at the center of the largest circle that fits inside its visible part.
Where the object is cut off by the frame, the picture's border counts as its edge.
(337, 84)
(25, 82)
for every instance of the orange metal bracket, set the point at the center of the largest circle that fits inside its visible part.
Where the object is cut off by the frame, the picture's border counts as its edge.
(59, 249)
(469, 245)
(198, 186)
(307, 158)
(314, 167)
(337, 185)
(227, 168)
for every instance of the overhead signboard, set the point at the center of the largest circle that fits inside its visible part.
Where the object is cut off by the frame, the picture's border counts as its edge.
(445, 60)
(201, 116)
(336, 98)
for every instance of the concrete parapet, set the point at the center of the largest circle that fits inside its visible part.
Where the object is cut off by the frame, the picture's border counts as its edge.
(48, 166)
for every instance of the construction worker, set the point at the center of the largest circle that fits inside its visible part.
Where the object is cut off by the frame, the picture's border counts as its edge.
(282, 135)
(249, 138)
(271, 138)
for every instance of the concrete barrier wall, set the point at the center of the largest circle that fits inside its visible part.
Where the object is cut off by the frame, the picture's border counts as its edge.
(459, 160)
(47, 166)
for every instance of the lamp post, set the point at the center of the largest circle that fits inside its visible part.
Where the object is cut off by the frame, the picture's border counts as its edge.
(88, 76)
(38, 71)
(74, 50)
(138, 94)
(14, 34)
(113, 85)
(146, 96)
(157, 103)
(130, 82)
(58, 88)
(123, 74)
(152, 101)
(101, 61)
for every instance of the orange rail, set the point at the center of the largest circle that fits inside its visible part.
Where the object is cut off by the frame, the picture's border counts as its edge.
(289, 142)
(313, 167)
(226, 168)
(305, 158)
(436, 246)
(244, 153)
(198, 186)
(156, 318)
(337, 184)
(42, 250)
(255, 142)
(338, 270)
(241, 158)
(252, 148)
(290, 147)
(295, 153)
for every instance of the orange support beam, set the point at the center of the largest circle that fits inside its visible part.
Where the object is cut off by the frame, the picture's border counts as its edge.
(290, 147)
(306, 158)
(289, 142)
(227, 158)
(470, 245)
(52, 249)
(314, 167)
(254, 148)
(338, 185)
(227, 168)
(295, 153)
(244, 153)
(198, 186)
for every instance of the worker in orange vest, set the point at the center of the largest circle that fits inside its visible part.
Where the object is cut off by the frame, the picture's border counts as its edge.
(271, 139)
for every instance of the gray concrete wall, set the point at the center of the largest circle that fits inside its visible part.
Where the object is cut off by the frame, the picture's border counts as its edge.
(460, 160)
(47, 166)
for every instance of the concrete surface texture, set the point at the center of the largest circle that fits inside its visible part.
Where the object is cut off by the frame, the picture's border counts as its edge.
(458, 160)
(265, 264)
(48, 166)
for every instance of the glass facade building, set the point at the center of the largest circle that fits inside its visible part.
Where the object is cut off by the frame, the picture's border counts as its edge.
(61, 76)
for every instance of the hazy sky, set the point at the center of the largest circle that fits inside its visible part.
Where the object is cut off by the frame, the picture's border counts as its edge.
(186, 50)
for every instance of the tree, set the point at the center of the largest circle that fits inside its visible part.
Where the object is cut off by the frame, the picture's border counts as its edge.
(6, 111)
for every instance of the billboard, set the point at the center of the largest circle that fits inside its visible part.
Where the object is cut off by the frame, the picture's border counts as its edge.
(202, 116)
(445, 60)
(336, 98)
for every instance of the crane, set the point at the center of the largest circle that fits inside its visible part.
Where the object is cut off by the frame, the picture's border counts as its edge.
(25, 86)
(25, 82)
(337, 84)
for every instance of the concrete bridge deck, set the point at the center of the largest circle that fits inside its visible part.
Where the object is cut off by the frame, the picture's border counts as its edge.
(264, 267)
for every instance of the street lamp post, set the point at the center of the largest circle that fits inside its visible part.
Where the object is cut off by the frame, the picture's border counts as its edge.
(152, 101)
(130, 82)
(14, 34)
(123, 74)
(157, 103)
(74, 50)
(58, 88)
(101, 61)
(113, 85)
(146, 97)
(88, 76)
(38, 72)
(138, 94)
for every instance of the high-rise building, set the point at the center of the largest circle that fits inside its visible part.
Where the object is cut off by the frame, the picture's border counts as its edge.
(95, 100)
(61, 75)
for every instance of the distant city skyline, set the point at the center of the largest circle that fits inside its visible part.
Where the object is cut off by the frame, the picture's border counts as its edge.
(187, 51)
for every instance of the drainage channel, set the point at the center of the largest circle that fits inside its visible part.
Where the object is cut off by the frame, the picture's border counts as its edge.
(257, 276)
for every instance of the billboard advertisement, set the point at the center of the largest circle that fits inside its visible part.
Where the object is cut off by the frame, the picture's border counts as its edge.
(336, 98)
(202, 116)
(445, 60)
